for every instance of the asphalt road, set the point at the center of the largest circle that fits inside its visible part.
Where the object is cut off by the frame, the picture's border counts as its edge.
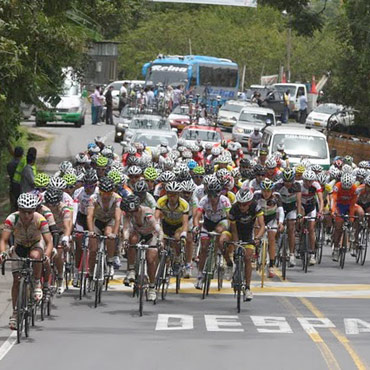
(318, 320)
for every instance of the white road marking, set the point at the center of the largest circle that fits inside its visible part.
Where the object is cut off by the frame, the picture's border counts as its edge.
(356, 326)
(279, 323)
(218, 323)
(174, 322)
(8, 344)
(310, 323)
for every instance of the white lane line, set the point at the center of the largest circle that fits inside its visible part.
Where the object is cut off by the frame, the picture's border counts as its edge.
(8, 344)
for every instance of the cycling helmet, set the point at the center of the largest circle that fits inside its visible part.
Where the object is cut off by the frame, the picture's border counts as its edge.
(90, 176)
(363, 164)
(300, 168)
(64, 166)
(222, 172)
(347, 180)
(192, 164)
(131, 150)
(130, 203)
(106, 184)
(80, 176)
(367, 181)
(188, 186)
(53, 196)
(216, 151)
(208, 179)
(141, 187)
(335, 173)
(208, 146)
(168, 164)
(338, 163)
(94, 158)
(173, 187)
(232, 146)
(361, 173)
(316, 168)
(41, 180)
(198, 170)
(209, 169)
(102, 161)
(244, 196)
(150, 173)
(164, 150)
(245, 162)
(57, 183)
(223, 159)
(183, 176)
(99, 140)
(306, 162)
(82, 158)
(228, 181)
(70, 179)
(187, 154)
(27, 201)
(174, 155)
(309, 175)
(280, 147)
(267, 184)
(224, 144)
(214, 185)
(347, 168)
(194, 148)
(116, 176)
(93, 149)
(271, 163)
(132, 161)
(288, 175)
(322, 177)
(167, 176)
(106, 152)
(348, 160)
(134, 171)
(235, 172)
(263, 151)
(259, 170)
(247, 173)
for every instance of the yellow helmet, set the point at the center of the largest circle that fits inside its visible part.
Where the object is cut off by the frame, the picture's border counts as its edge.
(300, 169)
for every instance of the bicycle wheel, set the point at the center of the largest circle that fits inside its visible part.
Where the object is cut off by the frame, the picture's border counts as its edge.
(320, 236)
(279, 253)
(205, 283)
(220, 273)
(263, 262)
(178, 282)
(364, 247)
(21, 306)
(306, 252)
(343, 250)
(81, 276)
(97, 277)
(141, 288)
(284, 256)
(238, 274)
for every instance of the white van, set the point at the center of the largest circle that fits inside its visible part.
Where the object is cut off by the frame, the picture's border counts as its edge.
(295, 91)
(298, 143)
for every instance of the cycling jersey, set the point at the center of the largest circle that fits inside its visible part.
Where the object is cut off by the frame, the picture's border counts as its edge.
(26, 236)
(276, 175)
(49, 217)
(173, 216)
(149, 201)
(147, 224)
(200, 192)
(309, 195)
(344, 197)
(82, 198)
(61, 213)
(288, 195)
(215, 215)
(363, 197)
(272, 207)
(245, 221)
(102, 213)
(254, 185)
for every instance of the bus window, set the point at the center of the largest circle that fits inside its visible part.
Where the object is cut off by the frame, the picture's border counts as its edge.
(217, 76)
(193, 77)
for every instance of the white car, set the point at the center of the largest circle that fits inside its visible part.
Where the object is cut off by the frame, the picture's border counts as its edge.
(151, 139)
(117, 86)
(318, 118)
(229, 113)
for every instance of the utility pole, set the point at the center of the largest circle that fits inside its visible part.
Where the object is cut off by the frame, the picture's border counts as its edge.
(190, 49)
(288, 48)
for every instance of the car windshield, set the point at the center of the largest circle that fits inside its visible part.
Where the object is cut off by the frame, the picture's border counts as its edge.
(327, 109)
(301, 145)
(127, 112)
(256, 117)
(181, 109)
(283, 88)
(167, 74)
(203, 135)
(155, 140)
(232, 107)
(148, 123)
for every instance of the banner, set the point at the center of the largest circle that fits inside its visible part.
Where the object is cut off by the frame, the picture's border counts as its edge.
(269, 80)
(249, 3)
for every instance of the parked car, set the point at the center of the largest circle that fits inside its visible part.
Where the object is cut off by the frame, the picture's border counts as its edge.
(229, 113)
(179, 117)
(318, 118)
(153, 138)
(116, 89)
(250, 118)
(143, 122)
(206, 134)
(123, 121)
(69, 107)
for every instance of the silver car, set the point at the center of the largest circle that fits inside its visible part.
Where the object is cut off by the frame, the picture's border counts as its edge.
(229, 113)
(250, 118)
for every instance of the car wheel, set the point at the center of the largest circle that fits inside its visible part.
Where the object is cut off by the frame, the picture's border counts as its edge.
(80, 122)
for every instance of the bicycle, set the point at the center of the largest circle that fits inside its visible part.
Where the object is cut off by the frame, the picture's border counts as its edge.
(320, 238)
(141, 281)
(69, 264)
(363, 238)
(101, 273)
(162, 277)
(282, 254)
(25, 305)
(347, 238)
(49, 293)
(303, 251)
(83, 267)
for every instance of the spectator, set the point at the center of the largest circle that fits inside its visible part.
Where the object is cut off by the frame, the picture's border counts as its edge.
(177, 95)
(302, 108)
(28, 175)
(286, 98)
(14, 188)
(150, 97)
(96, 106)
(109, 105)
(123, 94)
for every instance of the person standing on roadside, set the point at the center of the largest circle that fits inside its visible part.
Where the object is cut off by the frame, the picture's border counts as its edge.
(286, 98)
(177, 95)
(28, 176)
(96, 106)
(150, 97)
(109, 105)
(123, 94)
(302, 108)
(14, 188)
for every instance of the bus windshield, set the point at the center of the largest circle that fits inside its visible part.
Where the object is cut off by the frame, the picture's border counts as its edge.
(167, 74)
(216, 75)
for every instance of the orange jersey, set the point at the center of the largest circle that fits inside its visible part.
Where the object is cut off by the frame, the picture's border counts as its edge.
(342, 196)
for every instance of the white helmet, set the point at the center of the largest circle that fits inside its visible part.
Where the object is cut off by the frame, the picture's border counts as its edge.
(244, 196)
(271, 163)
(347, 180)
(309, 175)
(28, 201)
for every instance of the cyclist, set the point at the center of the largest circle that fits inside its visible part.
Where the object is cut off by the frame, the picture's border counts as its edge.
(255, 184)
(164, 178)
(272, 170)
(254, 140)
(243, 216)
(29, 228)
(103, 218)
(63, 219)
(198, 175)
(139, 224)
(291, 196)
(141, 189)
(150, 176)
(299, 169)
(101, 166)
(271, 204)
(215, 208)
(310, 188)
(173, 211)
(134, 174)
(71, 180)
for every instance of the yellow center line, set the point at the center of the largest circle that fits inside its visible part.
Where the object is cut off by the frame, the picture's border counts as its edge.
(337, 334)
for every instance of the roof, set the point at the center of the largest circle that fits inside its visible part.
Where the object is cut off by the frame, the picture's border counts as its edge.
(288, 129)
(260, 110)
(201, 127)
(190, 59)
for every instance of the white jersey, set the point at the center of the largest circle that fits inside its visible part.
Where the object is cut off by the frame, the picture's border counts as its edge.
(82, 199)
(71, 204)
(221, 212)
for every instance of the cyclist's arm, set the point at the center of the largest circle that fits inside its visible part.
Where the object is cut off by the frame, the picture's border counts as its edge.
(321, 201)
(117, 220)
(90, 219)
(197, 217)
(261, 227)
(234, 231)
(158, 214)
(185, 224)
(5, 235)
(48, 243)
(299, 203)
(334, 196)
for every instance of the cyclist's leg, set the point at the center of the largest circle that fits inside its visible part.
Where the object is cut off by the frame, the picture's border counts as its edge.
(152, 259)
(37, 252)
(249, 251)
(291, 216)
(131, 254)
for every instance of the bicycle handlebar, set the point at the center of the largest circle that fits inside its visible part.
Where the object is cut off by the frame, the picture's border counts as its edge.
(20, 259)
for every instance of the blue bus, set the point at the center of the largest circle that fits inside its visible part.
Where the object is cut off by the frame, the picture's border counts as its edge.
(209, 77)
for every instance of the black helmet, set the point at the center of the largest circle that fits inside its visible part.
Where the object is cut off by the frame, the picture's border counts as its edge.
(53, 196)
(130, 203)
(141, 187)
(106, 184)
(90, 176)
